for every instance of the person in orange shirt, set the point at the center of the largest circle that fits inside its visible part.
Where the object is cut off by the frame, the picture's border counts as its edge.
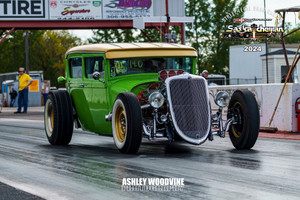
(24, 82)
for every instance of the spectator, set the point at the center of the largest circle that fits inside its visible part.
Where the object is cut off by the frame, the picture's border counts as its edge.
(24, 82)
(13, 94)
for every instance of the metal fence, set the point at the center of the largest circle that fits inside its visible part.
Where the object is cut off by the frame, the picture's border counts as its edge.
(233, 81)
(242, 81)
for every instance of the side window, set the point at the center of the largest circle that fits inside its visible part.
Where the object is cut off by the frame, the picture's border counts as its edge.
(93, 64)
(75, 66)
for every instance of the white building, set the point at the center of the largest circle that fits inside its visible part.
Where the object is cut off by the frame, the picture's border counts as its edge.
(277, 68)
(246, 67)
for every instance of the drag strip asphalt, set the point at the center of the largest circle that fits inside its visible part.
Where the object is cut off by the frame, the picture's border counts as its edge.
(92, 168)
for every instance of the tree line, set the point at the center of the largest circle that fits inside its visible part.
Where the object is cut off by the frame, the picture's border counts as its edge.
(46, 52)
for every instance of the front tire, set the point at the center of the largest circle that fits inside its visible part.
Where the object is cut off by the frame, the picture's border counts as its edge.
(127, 123)
(58, 118)
(244, 133)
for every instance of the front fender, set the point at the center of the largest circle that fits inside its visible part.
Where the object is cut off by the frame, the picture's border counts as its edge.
(126, 85)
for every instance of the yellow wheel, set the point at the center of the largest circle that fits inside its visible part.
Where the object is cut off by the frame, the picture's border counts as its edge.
(127, 123)
(120, 123)
(49, 117)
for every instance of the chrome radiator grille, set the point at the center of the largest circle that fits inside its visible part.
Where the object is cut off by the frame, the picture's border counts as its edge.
(190, 110)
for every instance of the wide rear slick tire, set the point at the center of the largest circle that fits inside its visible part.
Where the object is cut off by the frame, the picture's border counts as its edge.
(58, 117)
(127, 123)
(243, 135)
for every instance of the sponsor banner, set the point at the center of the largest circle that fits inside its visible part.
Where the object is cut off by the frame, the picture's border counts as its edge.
(127, 9)
(75, 9)
(23, 9)
(35, 86)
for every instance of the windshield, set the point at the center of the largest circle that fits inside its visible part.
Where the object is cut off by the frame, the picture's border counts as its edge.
(125, 66)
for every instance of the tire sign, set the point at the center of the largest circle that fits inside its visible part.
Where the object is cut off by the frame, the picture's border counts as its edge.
(22, 9)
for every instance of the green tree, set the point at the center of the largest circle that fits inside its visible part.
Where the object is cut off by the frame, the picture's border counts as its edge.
(153, 34)
(198, 34)
(46, 52)
(51, 49)
(112, 35)
(211, 18)
(294, 37)
(12, 51)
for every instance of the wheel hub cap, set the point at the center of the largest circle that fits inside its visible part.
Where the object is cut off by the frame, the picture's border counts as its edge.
(120, 124)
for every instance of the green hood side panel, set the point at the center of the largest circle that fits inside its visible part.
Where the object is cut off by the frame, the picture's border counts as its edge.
(114, 88)
(128, 84)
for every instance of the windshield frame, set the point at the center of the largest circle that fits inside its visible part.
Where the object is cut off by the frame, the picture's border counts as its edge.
(192, 64)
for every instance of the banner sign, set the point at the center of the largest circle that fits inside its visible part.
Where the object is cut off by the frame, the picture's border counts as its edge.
(23, 9)
(127, 9)
(35, 86)
(75, 9)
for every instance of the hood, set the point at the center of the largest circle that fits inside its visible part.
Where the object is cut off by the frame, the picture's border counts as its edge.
(129, 84)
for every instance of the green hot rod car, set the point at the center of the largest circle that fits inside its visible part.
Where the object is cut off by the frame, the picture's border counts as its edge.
(136, 90)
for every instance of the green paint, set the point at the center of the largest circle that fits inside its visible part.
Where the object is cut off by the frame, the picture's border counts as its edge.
(93, 99)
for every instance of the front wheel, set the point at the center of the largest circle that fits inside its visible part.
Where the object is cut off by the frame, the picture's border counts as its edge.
(244, 131)
(127, 123)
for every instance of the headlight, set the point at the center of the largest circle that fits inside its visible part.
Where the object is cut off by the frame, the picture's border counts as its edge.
(222, 99)
(156, 99)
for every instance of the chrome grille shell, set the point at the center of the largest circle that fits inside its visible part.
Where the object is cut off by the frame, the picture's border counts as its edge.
(188, 100)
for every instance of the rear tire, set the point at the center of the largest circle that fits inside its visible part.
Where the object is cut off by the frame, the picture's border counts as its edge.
(127, 123)
(243, 135)
(58, 118)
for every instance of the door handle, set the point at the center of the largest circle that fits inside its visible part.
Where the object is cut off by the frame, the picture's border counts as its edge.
(81, 85)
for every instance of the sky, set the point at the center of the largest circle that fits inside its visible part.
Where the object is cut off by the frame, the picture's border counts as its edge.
(254, 10)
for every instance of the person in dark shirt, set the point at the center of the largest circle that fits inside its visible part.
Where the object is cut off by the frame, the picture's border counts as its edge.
(13, 94)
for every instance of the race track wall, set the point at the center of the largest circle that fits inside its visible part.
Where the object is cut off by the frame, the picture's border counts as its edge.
(267, 96)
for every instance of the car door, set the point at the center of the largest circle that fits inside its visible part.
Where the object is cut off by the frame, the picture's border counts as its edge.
(95, 92)
(76, 86)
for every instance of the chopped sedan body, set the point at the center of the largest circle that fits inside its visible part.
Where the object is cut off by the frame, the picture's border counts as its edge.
(135, 90)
